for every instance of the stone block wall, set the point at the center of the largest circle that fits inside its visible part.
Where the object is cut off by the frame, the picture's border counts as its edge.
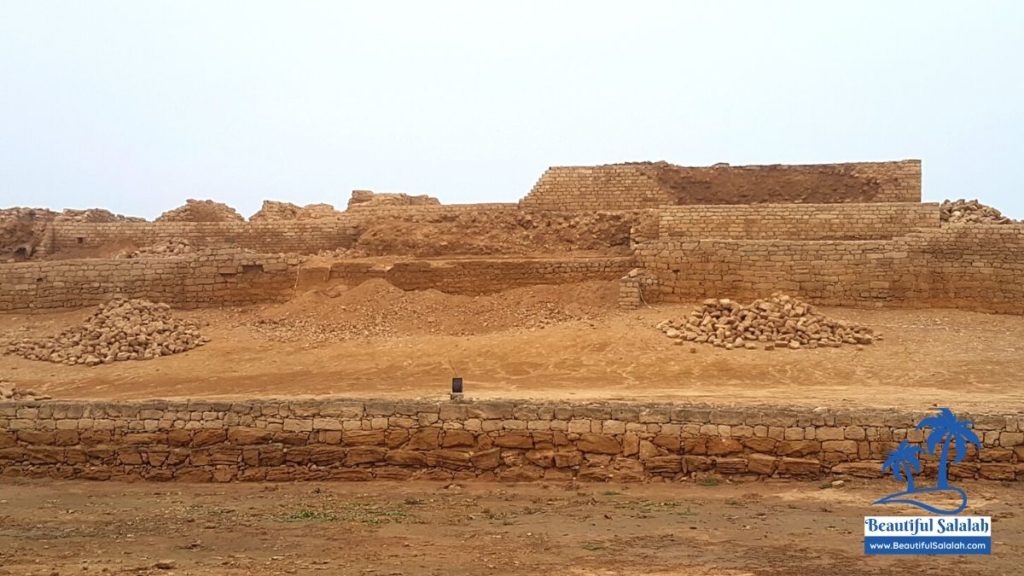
(216, 277)
(290, 236)
(344, 439)
(971, 267)
(650, 185)
(868, 221)
(613, 187)
(483, 276)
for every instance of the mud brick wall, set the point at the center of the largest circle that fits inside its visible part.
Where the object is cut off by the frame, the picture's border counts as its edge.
(211, 278)
(868, 221)
(482, 276)
(291, 236)
(970, 267)
(647, 185)
(343, 439)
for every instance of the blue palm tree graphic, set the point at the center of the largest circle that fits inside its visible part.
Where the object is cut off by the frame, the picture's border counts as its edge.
(903, 463)
(946, 432)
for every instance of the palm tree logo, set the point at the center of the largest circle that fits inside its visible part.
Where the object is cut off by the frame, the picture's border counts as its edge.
(947, 432)
(904, 463)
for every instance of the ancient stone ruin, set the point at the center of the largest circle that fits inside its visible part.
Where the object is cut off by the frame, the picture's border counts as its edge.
(760, 250)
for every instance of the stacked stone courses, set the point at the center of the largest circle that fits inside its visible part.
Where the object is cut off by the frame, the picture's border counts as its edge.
(797, 221)
(637, 186)
(200, 440)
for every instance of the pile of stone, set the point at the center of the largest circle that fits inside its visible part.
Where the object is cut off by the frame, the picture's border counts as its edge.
(118, 330)
(277, 211)
(95, 216)
(201, 211)
(777, 322)
(971, 212)
(8, 391)
(371, 199)
(172, 247)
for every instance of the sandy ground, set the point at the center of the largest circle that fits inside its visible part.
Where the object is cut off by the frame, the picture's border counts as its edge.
(927, 357)
(419, 528)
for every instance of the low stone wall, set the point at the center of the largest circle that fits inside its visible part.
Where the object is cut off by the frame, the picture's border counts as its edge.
(869, 221)
(217, 277)
(346, 439)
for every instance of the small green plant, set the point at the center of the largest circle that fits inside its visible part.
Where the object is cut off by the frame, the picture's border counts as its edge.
(592, 546)
(709, 481)
(307, 515)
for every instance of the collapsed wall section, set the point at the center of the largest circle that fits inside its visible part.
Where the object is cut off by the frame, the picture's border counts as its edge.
(341, 439)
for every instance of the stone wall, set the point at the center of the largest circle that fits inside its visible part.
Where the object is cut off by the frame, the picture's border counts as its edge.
(215, 277)
(482, 276)
(649, 185)
(230, 277)
(869, 221)
(970, 267)
(613, 187)
(292, 236)
(345, 439)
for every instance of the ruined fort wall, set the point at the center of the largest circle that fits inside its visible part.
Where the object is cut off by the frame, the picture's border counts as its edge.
(228, 277)
(291, 236)
(344, 439)
(613, 187)
(647, 185)
(971, 267)
(216, 277)
(869, 221)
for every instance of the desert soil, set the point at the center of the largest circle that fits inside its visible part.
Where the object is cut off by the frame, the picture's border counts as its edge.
(419, 528)
(561, 342)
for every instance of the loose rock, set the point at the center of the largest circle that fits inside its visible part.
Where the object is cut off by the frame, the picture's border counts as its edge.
(777, 322)
(119, 330)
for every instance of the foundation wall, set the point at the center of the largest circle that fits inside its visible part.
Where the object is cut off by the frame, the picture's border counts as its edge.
(517, 441)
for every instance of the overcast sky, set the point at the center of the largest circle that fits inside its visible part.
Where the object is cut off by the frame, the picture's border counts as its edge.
(136, 105)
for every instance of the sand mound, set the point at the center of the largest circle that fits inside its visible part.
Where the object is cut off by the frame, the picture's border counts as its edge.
(779, 321)
(972, 212)
(118, 330)
(201, 211)
(378, 309)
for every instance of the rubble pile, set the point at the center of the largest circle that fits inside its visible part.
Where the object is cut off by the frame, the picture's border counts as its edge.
(370, 199)
(118, 330)
(777, 322)
(95, 216)
(201, 211)
(276, 211)
(970, 211)
(172, 247)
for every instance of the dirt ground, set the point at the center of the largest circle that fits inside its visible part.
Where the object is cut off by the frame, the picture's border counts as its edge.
(418, 528)
(542, 343)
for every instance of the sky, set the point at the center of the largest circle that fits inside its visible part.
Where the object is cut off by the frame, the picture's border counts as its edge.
(135, 106)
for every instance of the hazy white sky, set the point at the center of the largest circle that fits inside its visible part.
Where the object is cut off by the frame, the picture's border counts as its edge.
(136, 105)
